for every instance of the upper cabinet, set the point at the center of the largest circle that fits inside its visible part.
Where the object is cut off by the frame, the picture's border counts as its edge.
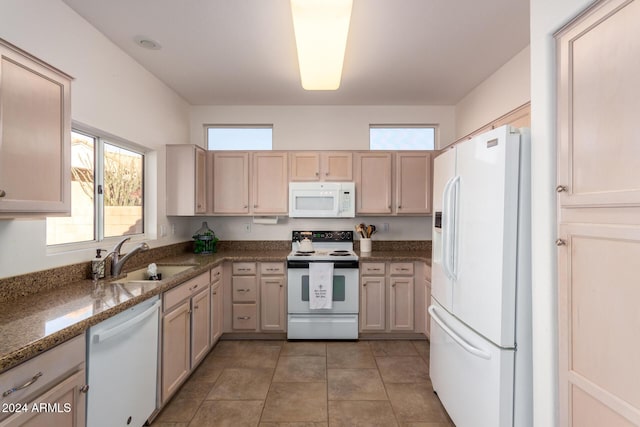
(413, 182)
(249, 183)
(373, 182)
(186, 180)
(35, 136)
(322, 166)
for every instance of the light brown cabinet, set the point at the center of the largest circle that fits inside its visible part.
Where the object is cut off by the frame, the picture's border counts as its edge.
(230, 182)
(387, 297)
(185, 331)
(57, 378)
(272, 297)
(397, 183)
(35, 136)
(217, 304)
(373, 182)
(401, 297)
(321, 166)
(244, 286)
(186, 180)
(598, 242)
(270, 183)
(413, 182)
(249, 183)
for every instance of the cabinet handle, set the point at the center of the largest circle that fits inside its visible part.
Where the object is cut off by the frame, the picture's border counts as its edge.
(389, 207)
(561, 188)
(199, 205)
(195, 307)
(399, 206)
(364, 284)
(193, 288)
(243, 269)
(84, 388)
(243, 317)
(374, 269)
(560, 242)
(215, 293)
(243, 290)
(282, 286)
(326, 174)
(403, 269)
(23, 386)
(271, 281)
(317, 174)
(255, 206)
(3, 193)
(393, 286)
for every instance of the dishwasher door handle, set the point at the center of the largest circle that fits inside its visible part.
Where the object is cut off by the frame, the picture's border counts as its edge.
(109, 333)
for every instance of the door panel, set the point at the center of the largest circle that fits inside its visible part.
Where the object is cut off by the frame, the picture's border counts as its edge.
(486, 236)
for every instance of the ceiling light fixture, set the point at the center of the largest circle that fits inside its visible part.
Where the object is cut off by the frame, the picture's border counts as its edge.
(321, 28)
(147, 43)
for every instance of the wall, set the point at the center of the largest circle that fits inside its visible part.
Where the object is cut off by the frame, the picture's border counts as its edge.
(505, 90)
(547, 16)
(110, 92)
(322, 127)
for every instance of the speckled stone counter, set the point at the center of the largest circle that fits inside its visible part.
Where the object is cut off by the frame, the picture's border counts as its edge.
(32, 324)
(35, 317)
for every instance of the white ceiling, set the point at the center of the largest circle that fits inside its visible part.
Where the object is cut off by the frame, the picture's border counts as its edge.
(242, 52)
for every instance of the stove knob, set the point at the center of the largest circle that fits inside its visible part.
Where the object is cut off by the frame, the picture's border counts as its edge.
(328, 235)
(342, 235)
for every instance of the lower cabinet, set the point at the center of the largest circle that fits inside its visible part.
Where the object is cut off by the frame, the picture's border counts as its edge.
(48, 389)
(217, 304)
(386, 297)
(244, 288)
(185, 331)
(272, 297)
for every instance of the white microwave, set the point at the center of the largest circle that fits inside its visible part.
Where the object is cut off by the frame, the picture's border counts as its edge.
(322, 199)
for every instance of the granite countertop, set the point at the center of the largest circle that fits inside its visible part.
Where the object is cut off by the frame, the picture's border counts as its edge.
(33, 324)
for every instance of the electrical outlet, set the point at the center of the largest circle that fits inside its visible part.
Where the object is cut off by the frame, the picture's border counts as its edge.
(173, 229)
(163, 231)
(385, 226)
(247, 227)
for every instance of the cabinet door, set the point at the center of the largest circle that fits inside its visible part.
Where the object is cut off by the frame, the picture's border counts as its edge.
(598, 105)
(245, 317)
(413, 183)
(272, 307)
(176, 337)
(401, 304)
(231, 182)
(61, 406)
(598, 296)
(373, 183)
(305, 166)
(35, 135)
(185, 180)
(270, 189)
(200, 326)
(372, 303)
(336, 166)
(216, 311)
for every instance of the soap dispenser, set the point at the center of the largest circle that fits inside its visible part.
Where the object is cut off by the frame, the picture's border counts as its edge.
(97, 265)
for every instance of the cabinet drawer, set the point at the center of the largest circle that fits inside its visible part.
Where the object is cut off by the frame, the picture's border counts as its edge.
(244, 288)
(245, 316)
(216, 273)
(42, 372)
(243, 268)
(401, 268)
(179, 293)
(372, 268)
(272, 268)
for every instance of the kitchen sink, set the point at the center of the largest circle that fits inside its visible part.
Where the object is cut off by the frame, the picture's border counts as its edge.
(167, 271)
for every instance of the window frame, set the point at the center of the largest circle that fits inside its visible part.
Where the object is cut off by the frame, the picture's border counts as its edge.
(236, 126)
(405, 126)
(100, 138)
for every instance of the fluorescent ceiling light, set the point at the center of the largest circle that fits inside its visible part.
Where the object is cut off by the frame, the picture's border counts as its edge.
(321, 28)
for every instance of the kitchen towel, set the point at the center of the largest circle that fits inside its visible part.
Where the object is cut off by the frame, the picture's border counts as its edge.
(320, 285)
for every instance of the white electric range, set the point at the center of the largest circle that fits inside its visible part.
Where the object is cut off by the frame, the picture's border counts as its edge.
(341, 320)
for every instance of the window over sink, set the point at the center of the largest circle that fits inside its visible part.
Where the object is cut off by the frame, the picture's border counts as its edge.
(107, 190)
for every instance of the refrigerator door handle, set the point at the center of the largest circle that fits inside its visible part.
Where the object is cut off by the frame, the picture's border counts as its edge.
(457, 338)
(448, 235)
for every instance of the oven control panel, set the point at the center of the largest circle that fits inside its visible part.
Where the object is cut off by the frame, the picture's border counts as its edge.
(322, 236)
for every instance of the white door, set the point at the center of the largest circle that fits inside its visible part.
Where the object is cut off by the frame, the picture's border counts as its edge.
(484, 293)
(443, 176)
(472, 377)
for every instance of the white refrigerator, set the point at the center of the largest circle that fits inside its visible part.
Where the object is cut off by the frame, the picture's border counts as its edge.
(480, 364)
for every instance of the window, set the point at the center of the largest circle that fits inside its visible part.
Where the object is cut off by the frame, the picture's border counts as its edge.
(402, 137)
(107, 192)
(239, 137)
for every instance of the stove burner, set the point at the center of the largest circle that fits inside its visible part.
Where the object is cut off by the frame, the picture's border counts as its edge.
(303, 253)
(339, 253)
(340, 250)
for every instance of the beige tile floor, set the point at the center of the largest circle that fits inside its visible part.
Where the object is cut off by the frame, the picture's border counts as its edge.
(309, 384)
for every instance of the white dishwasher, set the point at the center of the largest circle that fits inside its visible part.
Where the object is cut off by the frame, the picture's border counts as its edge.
(122, 367)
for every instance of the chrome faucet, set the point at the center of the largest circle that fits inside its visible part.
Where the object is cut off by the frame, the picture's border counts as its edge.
(117, 263)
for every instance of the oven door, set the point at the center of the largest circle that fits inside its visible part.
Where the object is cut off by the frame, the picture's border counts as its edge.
(345, 288)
